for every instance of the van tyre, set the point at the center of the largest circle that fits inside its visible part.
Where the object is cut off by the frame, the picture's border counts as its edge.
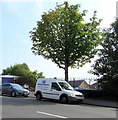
(64, 99)
(13, 94)
(39, 96)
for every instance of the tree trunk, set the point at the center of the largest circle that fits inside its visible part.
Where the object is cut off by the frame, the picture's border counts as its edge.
(66, 72)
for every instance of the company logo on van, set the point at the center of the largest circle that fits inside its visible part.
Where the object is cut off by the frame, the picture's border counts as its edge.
(43, 82)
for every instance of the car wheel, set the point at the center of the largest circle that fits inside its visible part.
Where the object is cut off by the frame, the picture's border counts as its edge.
(64, 99)
(39, 96)
(13, 94)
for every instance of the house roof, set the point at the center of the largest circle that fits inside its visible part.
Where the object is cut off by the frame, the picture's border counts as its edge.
(77, 82)
(94, 85)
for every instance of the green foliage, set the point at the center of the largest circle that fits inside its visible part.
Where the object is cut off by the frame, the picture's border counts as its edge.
(107, 64)
(25, 76)
(18, 70)
(63, 36)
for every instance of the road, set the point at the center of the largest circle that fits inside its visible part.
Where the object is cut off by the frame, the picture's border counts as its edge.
(20, 107)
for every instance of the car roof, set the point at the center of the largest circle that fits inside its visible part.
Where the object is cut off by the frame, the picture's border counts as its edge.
(5, 83)
(9, 84)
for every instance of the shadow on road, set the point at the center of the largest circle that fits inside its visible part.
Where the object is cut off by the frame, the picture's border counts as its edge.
(21, 101)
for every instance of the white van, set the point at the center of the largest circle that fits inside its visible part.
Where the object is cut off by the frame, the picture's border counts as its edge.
(56, 89)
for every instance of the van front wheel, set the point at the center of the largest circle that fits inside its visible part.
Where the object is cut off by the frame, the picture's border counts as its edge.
(39, 96)
(64, 99)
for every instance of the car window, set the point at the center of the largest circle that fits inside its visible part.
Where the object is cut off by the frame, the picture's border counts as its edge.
(55, 86)
(6, 85)
(17, 86)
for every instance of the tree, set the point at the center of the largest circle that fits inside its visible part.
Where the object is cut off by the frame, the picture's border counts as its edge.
(107, 64)
(63, 36)
(18, 70)
(24, 74)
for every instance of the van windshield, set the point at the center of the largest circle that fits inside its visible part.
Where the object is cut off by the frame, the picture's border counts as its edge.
(65, 86)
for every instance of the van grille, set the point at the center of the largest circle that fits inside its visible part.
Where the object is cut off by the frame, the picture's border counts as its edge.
(79, 95)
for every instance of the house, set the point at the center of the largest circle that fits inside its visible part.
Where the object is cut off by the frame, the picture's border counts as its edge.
(7, 79)
(79, 83)
(95, 86)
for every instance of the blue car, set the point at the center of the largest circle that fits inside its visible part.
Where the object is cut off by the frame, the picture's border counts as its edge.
(13, 90)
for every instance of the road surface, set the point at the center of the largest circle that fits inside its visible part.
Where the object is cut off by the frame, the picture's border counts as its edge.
(20, 107)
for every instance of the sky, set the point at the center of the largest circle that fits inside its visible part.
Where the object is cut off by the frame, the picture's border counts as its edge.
(19, 18)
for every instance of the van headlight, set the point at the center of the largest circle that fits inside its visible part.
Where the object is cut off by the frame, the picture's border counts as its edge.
(72, 95)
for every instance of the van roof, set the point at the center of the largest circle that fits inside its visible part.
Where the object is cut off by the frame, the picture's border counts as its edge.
(49, 79)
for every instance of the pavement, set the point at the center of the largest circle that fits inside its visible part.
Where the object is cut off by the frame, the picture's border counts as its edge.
(103, 103)
(95, 102)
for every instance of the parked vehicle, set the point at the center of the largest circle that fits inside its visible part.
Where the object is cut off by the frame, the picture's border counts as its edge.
(26, 86)
(90, 92)
(57, 90)
(0, 90)
(13, 90)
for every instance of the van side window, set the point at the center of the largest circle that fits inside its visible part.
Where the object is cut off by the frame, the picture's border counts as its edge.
(55, 86)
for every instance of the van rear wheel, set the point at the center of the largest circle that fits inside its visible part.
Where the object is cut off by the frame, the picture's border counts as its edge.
(39, 96)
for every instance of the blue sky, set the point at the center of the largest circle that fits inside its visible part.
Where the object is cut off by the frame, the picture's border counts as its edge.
(19, 18)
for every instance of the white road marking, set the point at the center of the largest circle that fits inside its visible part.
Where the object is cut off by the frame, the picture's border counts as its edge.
(51, 114)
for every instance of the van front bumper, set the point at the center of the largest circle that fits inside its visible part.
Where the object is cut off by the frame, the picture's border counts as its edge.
(75, 99)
